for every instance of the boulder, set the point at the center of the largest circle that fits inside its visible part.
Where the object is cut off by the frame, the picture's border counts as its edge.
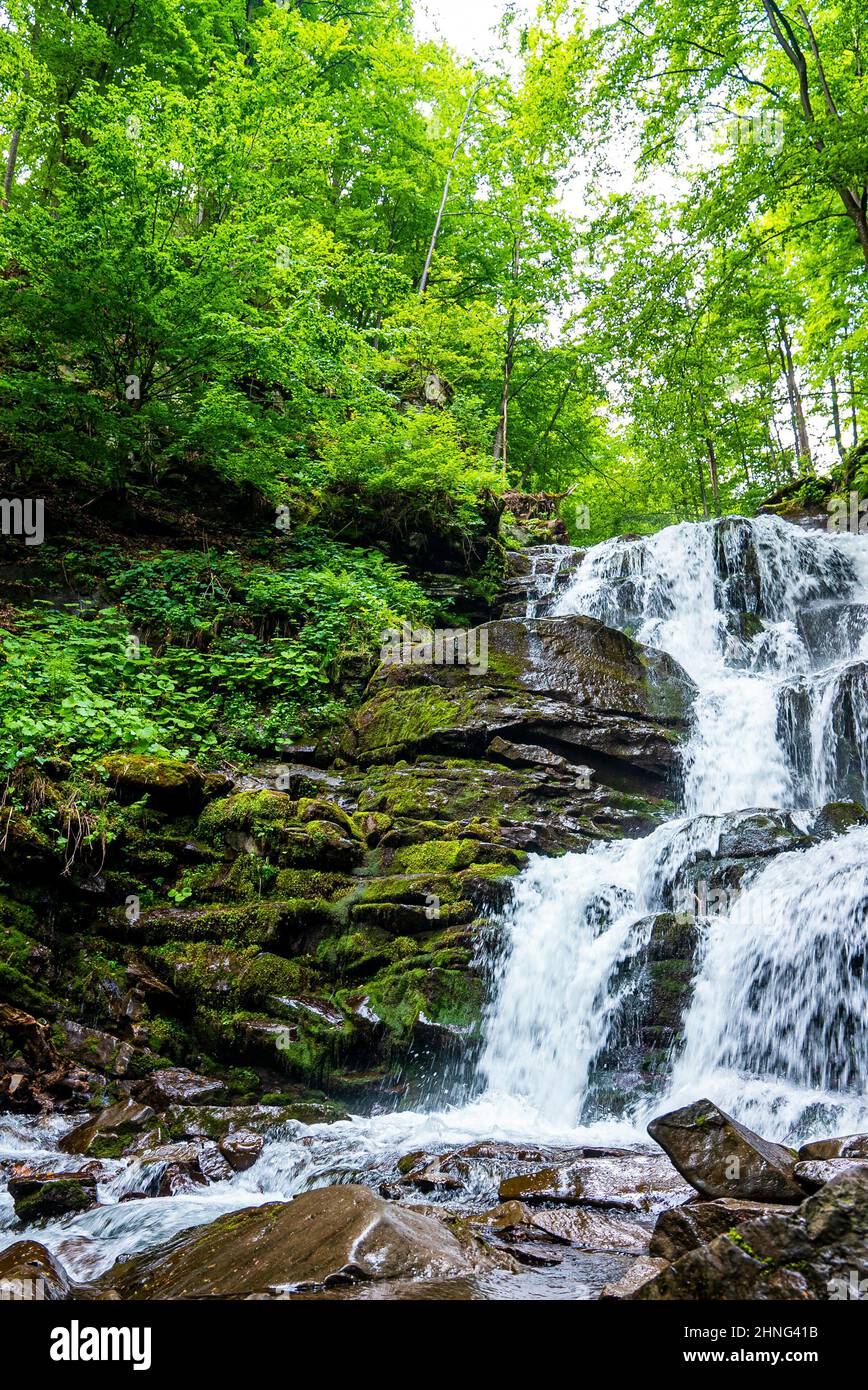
(577, 1226)
(168, 784)
(838, 816)
(844, 1146)
(220, 1121)
(43, 1194)
(641, 1271)
(241, 1149)
(721, 1158)
(816, 1172)
(571, 681)
(29, 1271)
(171, 1169)
(634, 1183)
(109, 1132)
(694, 1223)
(334, 1235)
(178, 1086)
(818, 1252)
(96, 1048)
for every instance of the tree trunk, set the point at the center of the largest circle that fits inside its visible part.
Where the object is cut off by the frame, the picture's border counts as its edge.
(432, 246)
(851, 383)
(702, 487)
(499, 449)
(836, 415)
(855, 200)
(800, 431)
(11, 159)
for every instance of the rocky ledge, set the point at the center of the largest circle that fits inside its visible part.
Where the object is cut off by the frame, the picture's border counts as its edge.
(317, 926)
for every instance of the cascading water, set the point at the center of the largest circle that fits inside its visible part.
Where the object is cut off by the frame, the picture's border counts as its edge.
(772, 625)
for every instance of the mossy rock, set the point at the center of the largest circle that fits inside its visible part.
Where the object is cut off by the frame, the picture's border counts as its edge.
(412, 918)
(317, 809)
(167, 783)
(26, 964)
(449, 856)
(253, 812)
(62, 1197)
(403, 994)
(837, 817)
(314, 885)
(250, 924)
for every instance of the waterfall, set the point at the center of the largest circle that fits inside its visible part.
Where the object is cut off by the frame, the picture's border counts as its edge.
(771, 622)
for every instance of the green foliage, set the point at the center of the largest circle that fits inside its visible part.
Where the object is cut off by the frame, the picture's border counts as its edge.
(238, 655)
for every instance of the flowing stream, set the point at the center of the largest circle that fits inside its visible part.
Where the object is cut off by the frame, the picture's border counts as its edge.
(771, 622)
(778, 1028)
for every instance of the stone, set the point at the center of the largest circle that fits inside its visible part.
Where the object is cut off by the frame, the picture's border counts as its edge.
(819, 1252)
(43, 1194)
(29, 1271)
(178, 1086)
(634, 1183)
(816, 1172)
(183, 1166)
(571, 681)
(168, 784)
(333, 1235)
(641, 1271)
(838, 816)
(583, 1228)
(722, 1158)
(844, 1146)
(241, 1149)
(107, 1134)
(95, 1048)
(695, 1223)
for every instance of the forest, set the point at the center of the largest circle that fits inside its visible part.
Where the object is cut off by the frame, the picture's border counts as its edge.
(315, 328)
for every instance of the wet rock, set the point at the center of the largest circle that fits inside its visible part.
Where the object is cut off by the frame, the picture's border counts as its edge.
(722, 1158)
(815, 1173)
(29, 1271)
(182, 1167)
(818, 1252)
(571, 681)
(108, 1133)
(641, 1271)
(219, 1121)
(444, 1172)
(18, 1093)
(30, 1035)
(837, 817)
(583, 1228)
(98, 1049)
(694, 1223)
(241, 1149)
(178, 1086)
(843, 1146)
(43, 1194)
(334, 1235)
(632, 1184)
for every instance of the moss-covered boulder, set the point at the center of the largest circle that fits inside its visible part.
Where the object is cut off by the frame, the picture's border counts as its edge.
(167, 783)
(571, 682)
